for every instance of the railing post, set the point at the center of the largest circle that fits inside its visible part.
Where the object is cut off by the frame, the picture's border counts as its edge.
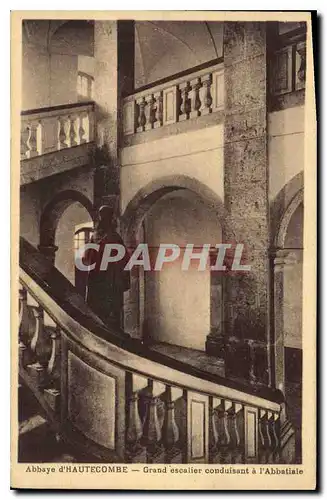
(39, 348)
(158, 111)
(149, 113)
(141, 115)
(81, 130)
(185, 107)
(195, 98)
(32, 140)
(72, 131)
(53, 368)
(205, 95)
(170, 431)
(24, 135)
(62, 135)
(25, 327)
(214, 437)
(135, 452)
(236, 431)
(151, 426)
(224, 451)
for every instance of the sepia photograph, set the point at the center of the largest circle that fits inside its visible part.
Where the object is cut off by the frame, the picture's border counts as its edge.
(163, 181)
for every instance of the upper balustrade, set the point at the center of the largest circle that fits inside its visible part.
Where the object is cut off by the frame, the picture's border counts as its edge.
(68, 129)
(185, 98)
(288, 73)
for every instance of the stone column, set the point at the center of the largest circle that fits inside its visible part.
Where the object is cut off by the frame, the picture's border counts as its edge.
(246, 198)
(282, 260)
(215, 339)
(114, 77)
(49, 251)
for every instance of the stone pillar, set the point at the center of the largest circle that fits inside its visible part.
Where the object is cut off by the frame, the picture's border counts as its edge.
(215, 339)
(114, 77)
(49, 251)
(282, 261)
(246, 198)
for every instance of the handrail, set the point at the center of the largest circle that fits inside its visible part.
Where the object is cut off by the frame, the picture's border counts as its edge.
(179, 99)
(61, 302)
(59, 107)
(55, 128)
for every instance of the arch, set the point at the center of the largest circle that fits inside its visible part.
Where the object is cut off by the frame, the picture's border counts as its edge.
(73, 37)
(54, 210)
(283, 207)
(130, 224)
(282, 231)
(148, 195)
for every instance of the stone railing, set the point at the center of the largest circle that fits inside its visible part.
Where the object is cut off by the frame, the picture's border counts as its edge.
(117, 400)
(184, 98)
(288, 69)
(47, 130)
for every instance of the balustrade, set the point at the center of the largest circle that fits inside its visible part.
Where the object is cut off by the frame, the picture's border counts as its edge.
(53, 129)
(179, 100)
(153, 414)
(288, 68)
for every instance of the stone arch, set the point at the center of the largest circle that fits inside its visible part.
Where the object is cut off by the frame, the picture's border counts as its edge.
(72, 37)
(52, 213)
(131, 223)
(284, 223)
(148, 195)
(284, 261)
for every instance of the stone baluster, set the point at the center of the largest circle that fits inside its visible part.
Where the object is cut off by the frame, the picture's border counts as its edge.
(236, 432)
(39, 348)
(151, 426)
(205, 95)
(72, 130)
(273, 431)
(24, 328)
(150, 112)
(81, 129)
(300, 64)
(158, 109)
(195, 98)
(23, 316)
(51, 392)
(264, 437)
(224, 453)
(53, 368)
(170, 431)
(141, 122)
(32, 140)
(24, 148)
(63, 138)
(213, 430)
(185, 107)
(135, 452)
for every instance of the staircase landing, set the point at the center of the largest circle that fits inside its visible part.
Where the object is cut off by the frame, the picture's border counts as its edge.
(193, 357)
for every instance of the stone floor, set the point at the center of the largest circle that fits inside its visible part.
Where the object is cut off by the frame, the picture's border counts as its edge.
(193, 357)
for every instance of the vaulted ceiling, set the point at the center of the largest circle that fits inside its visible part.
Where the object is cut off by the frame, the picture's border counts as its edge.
(164, 48)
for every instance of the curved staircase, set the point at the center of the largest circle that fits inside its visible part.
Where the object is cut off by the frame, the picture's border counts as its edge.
(108, 397)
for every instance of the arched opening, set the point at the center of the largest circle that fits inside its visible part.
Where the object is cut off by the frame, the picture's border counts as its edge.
(67, 214)
(293, 281)
(177, 301)
(174, 306)
(288, 297)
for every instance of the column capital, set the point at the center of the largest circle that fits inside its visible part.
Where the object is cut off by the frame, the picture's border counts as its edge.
(48, 250)
(284, 259)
